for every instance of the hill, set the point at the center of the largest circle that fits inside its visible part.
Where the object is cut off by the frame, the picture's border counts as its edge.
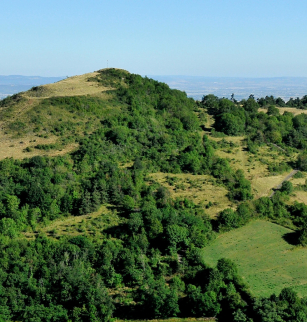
(30, 116)
(117, 188)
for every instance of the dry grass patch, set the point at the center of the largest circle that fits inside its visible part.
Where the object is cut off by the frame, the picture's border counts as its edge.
(201, 189)
(16, 148)
(28, 123)
(299, 181)
(282, 110)
(23, 117)
(255, 167)
(262, 186)
(71, 86)
(93, 224)
(295, 111)
(299, 196)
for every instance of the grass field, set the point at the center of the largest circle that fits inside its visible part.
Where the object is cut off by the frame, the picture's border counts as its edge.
(266, 261)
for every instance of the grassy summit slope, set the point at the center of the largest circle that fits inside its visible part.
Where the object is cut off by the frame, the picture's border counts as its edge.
(53, 116)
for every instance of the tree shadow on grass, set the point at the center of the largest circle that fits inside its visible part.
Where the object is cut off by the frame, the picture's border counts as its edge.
(204, 128)
(292, 238)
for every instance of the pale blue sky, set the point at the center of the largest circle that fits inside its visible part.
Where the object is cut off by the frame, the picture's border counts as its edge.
(249, 38)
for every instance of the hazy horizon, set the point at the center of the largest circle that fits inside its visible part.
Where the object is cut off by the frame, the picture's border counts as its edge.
(194, 86)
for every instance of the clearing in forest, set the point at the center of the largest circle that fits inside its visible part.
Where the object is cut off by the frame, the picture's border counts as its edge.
(201, 189)
(91, 224)
(266, 257)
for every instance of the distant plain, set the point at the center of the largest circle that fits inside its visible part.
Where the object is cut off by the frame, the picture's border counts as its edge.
(194, 86)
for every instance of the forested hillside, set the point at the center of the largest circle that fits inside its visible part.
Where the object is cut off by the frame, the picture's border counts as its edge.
(98, 215)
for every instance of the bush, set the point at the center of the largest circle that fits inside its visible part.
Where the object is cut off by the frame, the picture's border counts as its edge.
(301, 162)
(286, 187)
(228, 219)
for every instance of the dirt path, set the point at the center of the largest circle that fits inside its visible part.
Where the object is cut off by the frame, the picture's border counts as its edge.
(289, 176)
(278, 147)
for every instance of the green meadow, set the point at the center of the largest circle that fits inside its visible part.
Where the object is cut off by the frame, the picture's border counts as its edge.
(265, 258)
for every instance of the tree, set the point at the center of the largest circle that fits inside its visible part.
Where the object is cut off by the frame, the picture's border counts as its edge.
(287, 187)
(272, 110)
(158, 299)
(228, 219)
(230, 124)
(228, 268)
(251, 105)
(202, 304)
(301, 162)
(8, 227)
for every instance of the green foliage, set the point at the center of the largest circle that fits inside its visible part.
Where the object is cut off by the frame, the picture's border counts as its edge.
(17, 126)
(237, 118)
(46, 147)
(158, 299)
(230, 124)
(110, 77)
(286, 187)
(271, 101)
(278, 167)
(11, 100)
(302, 162)
(202, 304)
(229, 219)
(272, 110)
(140, 268)
(298, 175)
